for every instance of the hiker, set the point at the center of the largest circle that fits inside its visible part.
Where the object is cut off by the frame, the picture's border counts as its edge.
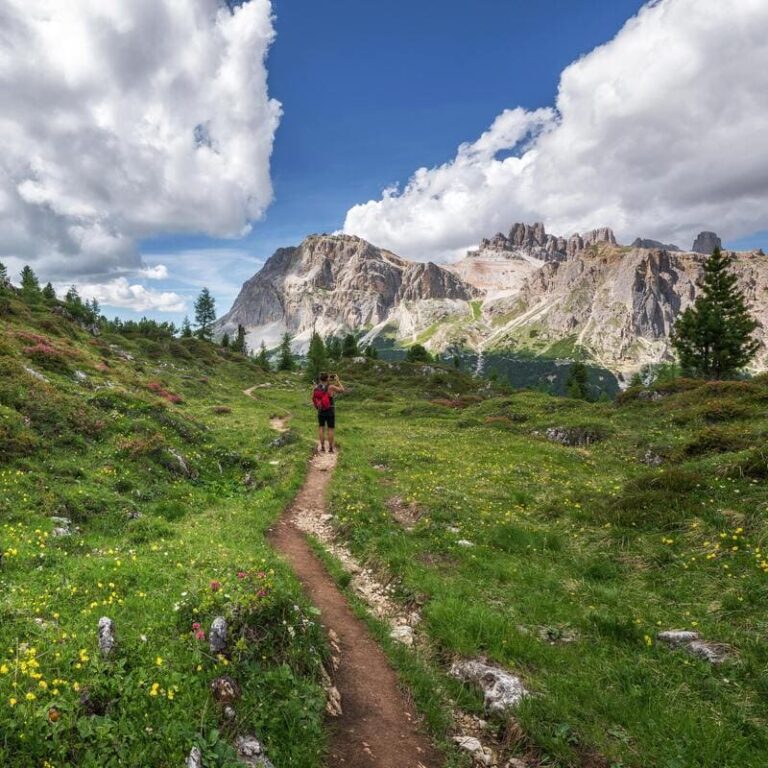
(322, 398)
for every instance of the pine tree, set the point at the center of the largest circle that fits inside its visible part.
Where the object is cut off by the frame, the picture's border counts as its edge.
(577, 383)
(262, 359)
(349, 346)
(285, 361)
(30, 286)
(5, 290)
(714, 336)
(371, 352)
(4, 282)
(225, 340)
(186, 328)
(333, 347)
(418, 354)
(239, 344)
(317, 359)
(48, 293)
(205, 314)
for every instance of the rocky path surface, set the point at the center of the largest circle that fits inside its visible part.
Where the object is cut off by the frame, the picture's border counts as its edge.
(375, 725)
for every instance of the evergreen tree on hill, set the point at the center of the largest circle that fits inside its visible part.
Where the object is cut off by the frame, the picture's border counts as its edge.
(577, 383)
(285, 361)
(30, 286)
(239, 344)
(418, 354)
(48, 293)
(262, 359)
(317, 359)
(205, 314)
(186, 328)
(714, 337)
(225, 340)
(349, 346)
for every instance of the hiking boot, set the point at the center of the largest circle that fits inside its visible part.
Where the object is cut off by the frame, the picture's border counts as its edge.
(322, 449)
(330, 450)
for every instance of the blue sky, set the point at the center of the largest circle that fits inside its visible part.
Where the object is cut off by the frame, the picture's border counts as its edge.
(371, 91)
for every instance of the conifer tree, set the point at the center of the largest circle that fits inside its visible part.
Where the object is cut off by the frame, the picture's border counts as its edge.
(418, 353)
(349, 346)
(239, 344)
(5, 290)
(186, 328)
(262, 359)
(48, 293)
(714, 337)
(577, 383)
(285, 361)
(317, 358)
(205, 314)
(30, 286)
(225, 340)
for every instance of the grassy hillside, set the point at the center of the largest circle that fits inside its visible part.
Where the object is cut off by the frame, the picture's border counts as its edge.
(169, 476)
(562, 563)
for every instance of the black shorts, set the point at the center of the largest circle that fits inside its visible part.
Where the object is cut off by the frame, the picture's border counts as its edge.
(327, 418)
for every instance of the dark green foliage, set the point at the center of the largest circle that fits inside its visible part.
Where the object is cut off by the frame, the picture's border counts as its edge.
(145, 327)
(317, 359)
(186, 328)
(349, 346)
(5, 289)
(30, 286)
(576, 385)
(285, 360)
(48, 293)
(205, 314)
(418, 354)
(714, 337)
(371, 352)
(239, 344)
(333, 347)
(262, 359)
(225, 340)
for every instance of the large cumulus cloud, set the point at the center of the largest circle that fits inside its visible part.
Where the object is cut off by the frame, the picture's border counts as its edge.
(661, 132)
(121, 120)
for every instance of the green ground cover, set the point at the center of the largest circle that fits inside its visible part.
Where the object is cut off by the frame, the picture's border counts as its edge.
(562, 563)
(171, 476)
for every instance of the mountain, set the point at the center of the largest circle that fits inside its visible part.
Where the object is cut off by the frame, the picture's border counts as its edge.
(525, 292)
(338, 283)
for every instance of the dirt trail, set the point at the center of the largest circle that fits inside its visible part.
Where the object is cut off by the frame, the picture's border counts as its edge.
(377, 727)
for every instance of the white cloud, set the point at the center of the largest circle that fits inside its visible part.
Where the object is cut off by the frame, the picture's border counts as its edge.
(661, 132)
(122, 120)
(121, 294)
(156, 272)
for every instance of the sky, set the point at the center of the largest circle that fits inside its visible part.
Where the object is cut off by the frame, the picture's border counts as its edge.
(155, 146)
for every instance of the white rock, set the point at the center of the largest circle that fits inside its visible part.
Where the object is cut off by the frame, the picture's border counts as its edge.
(480, 754)
(251, 752)
(465, 543)
(502, 691)
(107, 639)
(403, 633)
(677, 637)
(217, 638)
(195, 759)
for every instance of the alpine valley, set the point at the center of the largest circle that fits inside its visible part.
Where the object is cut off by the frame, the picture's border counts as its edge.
(527, 296)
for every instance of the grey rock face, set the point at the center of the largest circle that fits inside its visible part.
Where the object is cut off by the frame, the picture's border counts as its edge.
(691, 642)
(107, 640)
(706, 242)
(217, 638)
(642, 242)
(502, 690)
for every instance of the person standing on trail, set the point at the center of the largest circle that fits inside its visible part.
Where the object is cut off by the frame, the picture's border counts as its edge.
(323, 394)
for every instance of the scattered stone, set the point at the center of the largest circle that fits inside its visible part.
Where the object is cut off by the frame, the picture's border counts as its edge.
(572, 436)
(217, 639)
(465, 543)
(480, 754)
(652, 459)
(63, 522)
(516, 762)
(502, 691)
(225, 690)
(251, 752)
(249, 481)
(677, 637)
(403, 633)
(134, 514)
(34, 374)
(107, 639)
(650, 394)
(229, 712)
(283, 439)
(195, 759)
(180, 463)
(555, 635)
(80, 376)
(691, 642)
(714, 653)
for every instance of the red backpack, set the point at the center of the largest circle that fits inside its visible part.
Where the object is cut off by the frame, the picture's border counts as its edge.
(320, 398)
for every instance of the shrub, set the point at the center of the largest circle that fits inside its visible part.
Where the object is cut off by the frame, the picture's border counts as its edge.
(718, 440)
(158, 389)
(16, 439)
(754, 465)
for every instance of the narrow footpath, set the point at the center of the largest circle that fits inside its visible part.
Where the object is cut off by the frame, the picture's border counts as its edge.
(377, 727)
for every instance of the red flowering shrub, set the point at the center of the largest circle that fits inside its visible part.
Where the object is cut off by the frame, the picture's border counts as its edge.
(158, 389)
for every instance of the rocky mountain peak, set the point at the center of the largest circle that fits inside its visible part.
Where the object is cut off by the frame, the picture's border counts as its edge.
(648, 244)
(706, 242)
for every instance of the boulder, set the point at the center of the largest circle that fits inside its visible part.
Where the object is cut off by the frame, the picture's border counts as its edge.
(480, 754)
(502, 690)
(251, 752)
(195, 759)
(217, 638)
(107, 641)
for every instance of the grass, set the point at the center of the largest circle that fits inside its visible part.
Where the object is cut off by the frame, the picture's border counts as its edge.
(588, 542)
(170, 475)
